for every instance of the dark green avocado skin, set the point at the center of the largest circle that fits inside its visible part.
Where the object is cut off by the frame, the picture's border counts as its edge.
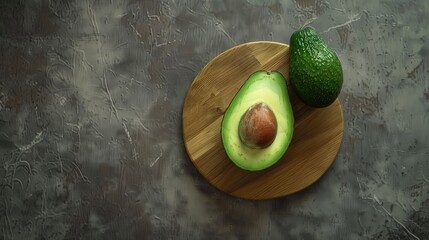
(315, 71)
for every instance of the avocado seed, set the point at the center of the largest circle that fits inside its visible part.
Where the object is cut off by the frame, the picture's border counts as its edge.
(258, 126)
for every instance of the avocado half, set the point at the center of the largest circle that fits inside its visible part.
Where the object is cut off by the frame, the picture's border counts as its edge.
(261, 87)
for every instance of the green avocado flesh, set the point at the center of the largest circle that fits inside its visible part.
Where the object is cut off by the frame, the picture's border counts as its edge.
(315, 71)
(268, 88)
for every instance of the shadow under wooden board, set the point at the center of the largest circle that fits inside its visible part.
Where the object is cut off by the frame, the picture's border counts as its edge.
(315, 143)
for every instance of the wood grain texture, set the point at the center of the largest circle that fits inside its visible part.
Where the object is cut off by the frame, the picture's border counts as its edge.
(317, 135)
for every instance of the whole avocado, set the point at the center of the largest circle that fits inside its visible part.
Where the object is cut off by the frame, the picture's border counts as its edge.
(315, 71)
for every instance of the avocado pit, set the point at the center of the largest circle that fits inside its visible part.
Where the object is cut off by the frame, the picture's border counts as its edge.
(258, 126)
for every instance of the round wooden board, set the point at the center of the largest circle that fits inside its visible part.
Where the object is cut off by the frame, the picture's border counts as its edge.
(315, 143)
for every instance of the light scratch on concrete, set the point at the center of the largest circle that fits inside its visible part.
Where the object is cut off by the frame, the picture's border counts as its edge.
(156, 159)
(79, 171)
(84, 59)
(150, 17)
(37, 139)
(424, 178)
(137, 32)
(221, 29)
(394, 218)
(130, 140)
(352, 19)
(309, 21)
(143, 126)
(59, 159)
(106, 87)
(93, 20)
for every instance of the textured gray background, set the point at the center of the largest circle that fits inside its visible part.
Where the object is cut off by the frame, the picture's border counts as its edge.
(91, 94)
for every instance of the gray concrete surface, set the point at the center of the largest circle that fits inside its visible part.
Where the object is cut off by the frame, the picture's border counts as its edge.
(91, 94)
